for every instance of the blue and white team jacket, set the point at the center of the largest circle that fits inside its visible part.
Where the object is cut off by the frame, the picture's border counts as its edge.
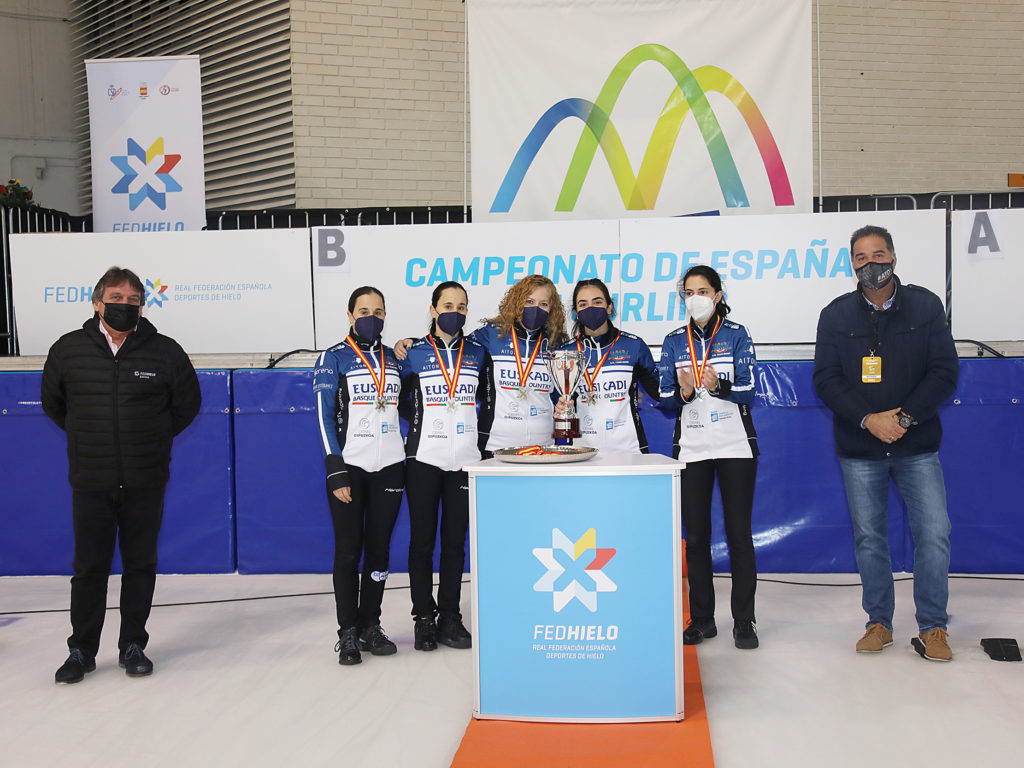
(353, 430)
(506, 418)
(612, 421)
(443, 429)
(715, 426)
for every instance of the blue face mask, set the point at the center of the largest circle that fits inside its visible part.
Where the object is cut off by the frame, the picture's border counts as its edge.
(534, 318)
(592, 317)
(369, 327)
(451, 322)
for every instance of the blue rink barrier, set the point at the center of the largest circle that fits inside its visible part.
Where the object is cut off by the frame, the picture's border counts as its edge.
(284, 522)
(259, 429)
(198, 533)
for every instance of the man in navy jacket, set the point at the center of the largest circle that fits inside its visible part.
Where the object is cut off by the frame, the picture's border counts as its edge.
(884, 362)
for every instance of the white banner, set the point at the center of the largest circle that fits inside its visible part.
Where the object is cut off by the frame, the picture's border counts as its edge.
(146, 131)
(778, 271)
(213, 292)
(988, 270)
(605, 109)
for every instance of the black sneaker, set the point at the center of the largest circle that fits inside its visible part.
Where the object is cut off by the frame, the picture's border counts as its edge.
(744, 634)
(699, 630)
(348, 647)
(452, 632)
(134, 661)
(374, 640)
(426, 634)
(73, 670)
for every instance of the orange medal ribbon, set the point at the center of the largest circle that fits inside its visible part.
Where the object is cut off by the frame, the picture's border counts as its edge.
(452, 380)
(592, 377)
(524, 373)
(378, 382)
(699, 369)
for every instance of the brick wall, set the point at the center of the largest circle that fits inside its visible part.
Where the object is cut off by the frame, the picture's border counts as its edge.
(378, 102)
(920, 96)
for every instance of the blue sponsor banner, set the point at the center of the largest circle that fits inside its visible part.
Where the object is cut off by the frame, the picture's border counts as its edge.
(576, 596)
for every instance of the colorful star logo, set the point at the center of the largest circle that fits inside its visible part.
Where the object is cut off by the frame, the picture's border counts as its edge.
(142, 159)
(155, 293)
(574, 589)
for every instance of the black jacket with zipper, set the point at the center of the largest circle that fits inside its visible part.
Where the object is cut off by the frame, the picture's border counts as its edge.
(120, 412)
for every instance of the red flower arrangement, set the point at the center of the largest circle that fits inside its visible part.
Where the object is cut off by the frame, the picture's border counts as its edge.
(15, 193)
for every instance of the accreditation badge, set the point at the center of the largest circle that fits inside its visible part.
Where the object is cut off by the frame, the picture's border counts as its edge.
(871, 370)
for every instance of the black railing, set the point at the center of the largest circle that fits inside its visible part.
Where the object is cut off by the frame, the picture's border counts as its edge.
(16, 220)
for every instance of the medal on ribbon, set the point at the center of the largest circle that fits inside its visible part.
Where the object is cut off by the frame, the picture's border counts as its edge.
(524, 371)
(591, 376)
(450, 379)
(378, 381)
(698, 370)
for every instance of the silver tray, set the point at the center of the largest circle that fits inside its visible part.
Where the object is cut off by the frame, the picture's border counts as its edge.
(566, 453)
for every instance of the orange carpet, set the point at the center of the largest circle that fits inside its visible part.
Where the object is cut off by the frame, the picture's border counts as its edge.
(506, 744)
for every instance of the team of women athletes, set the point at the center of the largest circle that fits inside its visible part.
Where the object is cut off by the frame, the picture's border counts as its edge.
(467, 395)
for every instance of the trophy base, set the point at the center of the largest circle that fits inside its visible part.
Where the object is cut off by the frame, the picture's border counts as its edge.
(567, 429)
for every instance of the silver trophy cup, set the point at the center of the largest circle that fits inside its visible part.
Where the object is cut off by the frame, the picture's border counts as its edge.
(566, 367)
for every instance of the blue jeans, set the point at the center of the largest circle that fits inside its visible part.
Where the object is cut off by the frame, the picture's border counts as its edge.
(919, 481)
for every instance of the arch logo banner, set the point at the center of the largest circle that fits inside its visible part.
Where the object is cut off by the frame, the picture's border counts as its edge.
(610, 109)
(146, 135)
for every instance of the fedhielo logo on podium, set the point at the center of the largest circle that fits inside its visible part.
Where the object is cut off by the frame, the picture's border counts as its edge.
(573, 551)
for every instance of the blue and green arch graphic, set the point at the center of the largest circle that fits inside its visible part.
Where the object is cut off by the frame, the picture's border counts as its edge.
(640, 191)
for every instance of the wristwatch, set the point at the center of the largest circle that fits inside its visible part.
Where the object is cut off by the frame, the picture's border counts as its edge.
(904, 419)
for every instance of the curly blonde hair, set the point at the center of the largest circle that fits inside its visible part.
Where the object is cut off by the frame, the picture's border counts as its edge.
(512, 303)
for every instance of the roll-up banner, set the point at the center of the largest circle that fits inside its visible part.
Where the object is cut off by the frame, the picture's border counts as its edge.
(778, 271)
(590, 109)
(213, 292)
(988, 271)
(146, 137)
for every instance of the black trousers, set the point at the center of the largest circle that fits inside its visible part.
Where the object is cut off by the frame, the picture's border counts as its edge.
(736, 483)
(363, 527)
(132, 518)
(426, 486)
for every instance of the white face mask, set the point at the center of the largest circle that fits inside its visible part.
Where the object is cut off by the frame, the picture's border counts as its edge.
(701, 308)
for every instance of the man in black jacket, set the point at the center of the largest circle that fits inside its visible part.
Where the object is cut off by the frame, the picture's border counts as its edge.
(121, 391)
(884, 362)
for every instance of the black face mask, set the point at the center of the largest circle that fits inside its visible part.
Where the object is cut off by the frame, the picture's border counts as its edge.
(121, 317)
(875, 276)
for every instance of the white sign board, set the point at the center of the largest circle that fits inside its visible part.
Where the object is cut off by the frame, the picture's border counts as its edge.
(146, 134)
(988, 270)
(212, 292)
(778, 271)
(591, 109)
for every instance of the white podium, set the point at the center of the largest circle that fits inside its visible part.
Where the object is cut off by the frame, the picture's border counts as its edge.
(577, 589)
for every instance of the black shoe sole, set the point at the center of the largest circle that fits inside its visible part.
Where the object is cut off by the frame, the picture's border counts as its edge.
(378, 651)
(350, 662)
(452, 642)
(746, 643)
(701, 636)
(425, 646)
(77, 679)
(136, 673)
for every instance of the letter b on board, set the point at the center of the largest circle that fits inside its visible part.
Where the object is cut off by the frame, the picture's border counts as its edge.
(330, 255)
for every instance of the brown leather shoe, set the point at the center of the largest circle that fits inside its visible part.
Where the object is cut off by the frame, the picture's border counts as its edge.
(936, 647)
(875, 639)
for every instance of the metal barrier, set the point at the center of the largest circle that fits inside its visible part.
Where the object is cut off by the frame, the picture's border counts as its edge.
(854, 203)
(332, 217)
(16, 220)
(950, 198)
